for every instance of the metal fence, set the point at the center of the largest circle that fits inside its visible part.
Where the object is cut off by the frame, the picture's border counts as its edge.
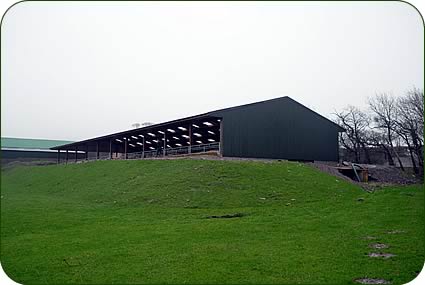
(205, 147)
(152, 153)
(174, 151)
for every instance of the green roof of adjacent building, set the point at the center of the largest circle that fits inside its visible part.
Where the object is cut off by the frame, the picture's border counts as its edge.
(20, 143)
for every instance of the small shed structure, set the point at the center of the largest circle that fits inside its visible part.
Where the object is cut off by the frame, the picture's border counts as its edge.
(23, 149)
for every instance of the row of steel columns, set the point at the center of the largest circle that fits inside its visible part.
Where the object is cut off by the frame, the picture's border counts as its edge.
(164, 148)
(143, 147)
(76, 153)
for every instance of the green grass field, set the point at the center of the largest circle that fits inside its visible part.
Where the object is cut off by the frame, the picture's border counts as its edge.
(147, 222)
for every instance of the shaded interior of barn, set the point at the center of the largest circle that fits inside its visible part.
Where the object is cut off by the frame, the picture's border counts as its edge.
(197, 134)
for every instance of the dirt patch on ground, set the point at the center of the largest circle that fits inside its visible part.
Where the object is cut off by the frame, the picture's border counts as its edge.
(227, 216)
(391, 174)
(379, 175)
(378, 245)
(381, 255)
(331, 170)
(371, 281)
(395, 232)
(213, 156)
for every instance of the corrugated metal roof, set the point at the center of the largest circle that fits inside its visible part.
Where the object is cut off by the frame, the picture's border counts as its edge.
(133, 131)
(204, 115)
(27, 149)
(20, 143)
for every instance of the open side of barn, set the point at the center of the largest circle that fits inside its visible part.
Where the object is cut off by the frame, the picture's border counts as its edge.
(280, 128)
(184, 136)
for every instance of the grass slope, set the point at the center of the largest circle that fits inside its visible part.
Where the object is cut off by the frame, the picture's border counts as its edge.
(144, 222)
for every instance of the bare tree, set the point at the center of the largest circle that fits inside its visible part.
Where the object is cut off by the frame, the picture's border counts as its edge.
(353, 139)
(378, 139)
(136, 125)
(384, 109)
(410, 125)
(392, 125)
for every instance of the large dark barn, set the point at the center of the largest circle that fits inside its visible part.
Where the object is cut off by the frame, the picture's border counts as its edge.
(280, 128)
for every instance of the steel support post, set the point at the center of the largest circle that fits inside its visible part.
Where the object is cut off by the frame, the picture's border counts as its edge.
(125, 148)
(97, 150)
(190, 138)
(220, 144)
(165, 143)
(143, 147)
(110, 149)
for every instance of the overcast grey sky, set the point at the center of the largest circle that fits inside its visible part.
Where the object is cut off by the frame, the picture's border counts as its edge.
(79, 70)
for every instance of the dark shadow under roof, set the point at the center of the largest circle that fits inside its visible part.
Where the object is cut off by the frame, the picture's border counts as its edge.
(146, 129)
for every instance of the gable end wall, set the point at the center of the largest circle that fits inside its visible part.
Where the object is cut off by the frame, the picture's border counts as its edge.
(281, 129)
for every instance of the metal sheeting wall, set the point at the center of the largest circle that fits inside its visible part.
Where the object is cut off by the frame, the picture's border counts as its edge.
(280, 128)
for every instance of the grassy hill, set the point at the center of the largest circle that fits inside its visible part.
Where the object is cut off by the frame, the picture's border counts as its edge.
(158, 221)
